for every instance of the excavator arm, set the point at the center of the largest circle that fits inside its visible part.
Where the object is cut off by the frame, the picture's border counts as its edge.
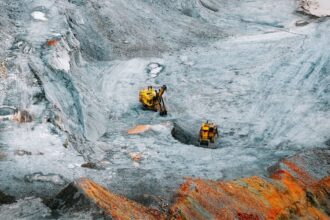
(160, 101)
(162, 107)
(162, 90)
(153, 99)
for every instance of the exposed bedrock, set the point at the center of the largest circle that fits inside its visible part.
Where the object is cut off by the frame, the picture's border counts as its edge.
(256, 68)
(85, 195)
(298, 187)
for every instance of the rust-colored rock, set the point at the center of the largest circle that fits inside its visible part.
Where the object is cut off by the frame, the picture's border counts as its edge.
(84, 193)
(118, 207)
(52, 42)
(297, 188)
(291, 192)
(319, 195)
(139, 129)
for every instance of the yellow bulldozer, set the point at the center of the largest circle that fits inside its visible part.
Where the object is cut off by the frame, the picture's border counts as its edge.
(208, 133)
(152, 99)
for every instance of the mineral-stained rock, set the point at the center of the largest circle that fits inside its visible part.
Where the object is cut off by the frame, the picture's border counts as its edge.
(298, 187)
(293, 191)
(84, 194)
(139, 129)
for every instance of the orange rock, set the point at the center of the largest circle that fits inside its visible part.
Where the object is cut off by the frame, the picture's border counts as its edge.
(302, 176)
(248, 198)
(52, 42)
(319, 193)
(116, 206)
(290, 193)
(139, 129)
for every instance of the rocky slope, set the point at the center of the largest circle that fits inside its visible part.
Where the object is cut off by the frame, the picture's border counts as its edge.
(298, 187)
(258, 69)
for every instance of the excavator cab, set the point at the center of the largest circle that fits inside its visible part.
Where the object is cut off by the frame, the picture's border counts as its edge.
(152, 99)
(208, 133)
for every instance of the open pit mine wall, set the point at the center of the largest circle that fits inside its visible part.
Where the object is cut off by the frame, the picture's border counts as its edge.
(292, 191)
(298, 187)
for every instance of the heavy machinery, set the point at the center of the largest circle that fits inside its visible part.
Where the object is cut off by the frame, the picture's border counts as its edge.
(208, 133)
(153, 99)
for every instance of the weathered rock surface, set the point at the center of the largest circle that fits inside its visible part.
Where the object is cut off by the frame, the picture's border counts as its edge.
(76, 67)
(29, 208)
(298, 188)
(84, 194)
(318, 8)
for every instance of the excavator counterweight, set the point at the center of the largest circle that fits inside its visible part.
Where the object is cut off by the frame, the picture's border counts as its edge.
(152, 99)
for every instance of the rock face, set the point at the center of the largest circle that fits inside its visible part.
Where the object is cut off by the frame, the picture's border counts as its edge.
(297, 188)
(76, 67)
(84, 194)
(293, 191)
(318, 8)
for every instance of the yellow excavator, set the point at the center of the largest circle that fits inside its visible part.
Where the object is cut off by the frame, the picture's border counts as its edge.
(153, 99)
(208, 133)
